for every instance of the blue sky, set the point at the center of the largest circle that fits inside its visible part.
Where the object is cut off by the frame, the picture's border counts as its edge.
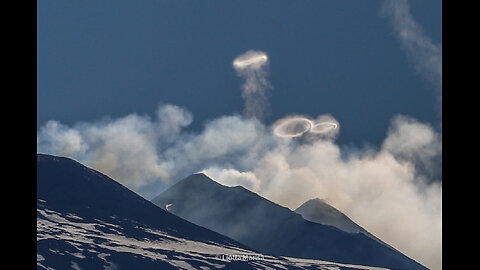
(113, 58)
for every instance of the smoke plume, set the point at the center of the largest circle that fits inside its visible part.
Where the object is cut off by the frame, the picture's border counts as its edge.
(425, 56)
(251, 66)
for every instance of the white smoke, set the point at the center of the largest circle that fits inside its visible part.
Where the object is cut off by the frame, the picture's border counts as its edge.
(298, 125)
(59, 139)
(232, 177)
(251, 66)
(411, 140)
(126, 149)
(425, 56)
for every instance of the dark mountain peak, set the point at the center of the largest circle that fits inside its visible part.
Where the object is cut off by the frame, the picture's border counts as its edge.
(318, 209)
(59, 159)
(200, 182)
(198, 191)
(199, 179)
(314, 201)
(46, 158)
(66, 186)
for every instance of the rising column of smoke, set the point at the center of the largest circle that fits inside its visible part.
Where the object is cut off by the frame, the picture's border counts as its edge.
(252, 65)
(421, 51)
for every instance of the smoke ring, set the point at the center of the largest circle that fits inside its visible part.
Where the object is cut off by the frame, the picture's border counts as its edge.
(251, 59)
(286, 130)
(323, 127)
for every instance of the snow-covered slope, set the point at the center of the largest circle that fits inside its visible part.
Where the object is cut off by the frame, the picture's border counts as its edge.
(67, 241)
(270, 228)
(86, 220)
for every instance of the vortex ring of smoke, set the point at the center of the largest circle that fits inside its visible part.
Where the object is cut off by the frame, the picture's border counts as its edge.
(323, 127)
(282, 129)
(250, 59)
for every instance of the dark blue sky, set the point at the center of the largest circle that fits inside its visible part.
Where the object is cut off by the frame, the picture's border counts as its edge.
(99, 58)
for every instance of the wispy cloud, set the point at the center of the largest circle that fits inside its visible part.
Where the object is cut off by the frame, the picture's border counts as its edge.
(423, 53)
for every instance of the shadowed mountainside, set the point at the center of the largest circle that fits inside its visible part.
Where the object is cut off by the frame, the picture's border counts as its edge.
(318, 211)
(270, 228)
(86, 220)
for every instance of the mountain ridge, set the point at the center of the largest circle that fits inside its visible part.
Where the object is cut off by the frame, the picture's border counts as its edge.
(271, 228)
(318, 211)
(64, 201)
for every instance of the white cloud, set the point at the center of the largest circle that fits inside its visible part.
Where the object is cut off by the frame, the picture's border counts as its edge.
(232, 177)
(57, 138)
(126, 148)
(411, 140)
